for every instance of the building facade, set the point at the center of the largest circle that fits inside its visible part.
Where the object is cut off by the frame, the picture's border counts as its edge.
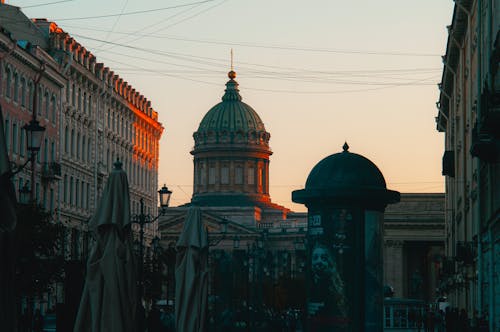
(92, 118)
(468, 115)
(257, 248)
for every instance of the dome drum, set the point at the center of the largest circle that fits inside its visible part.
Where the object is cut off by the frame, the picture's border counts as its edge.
(231, 137)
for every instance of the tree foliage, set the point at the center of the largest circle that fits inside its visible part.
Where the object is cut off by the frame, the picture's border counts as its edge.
(38, 259)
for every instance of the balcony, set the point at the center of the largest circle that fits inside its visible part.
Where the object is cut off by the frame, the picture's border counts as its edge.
(51, 171)
(465, 253)
(486, 132)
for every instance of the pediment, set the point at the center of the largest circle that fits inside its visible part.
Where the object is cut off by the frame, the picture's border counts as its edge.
(172, 223)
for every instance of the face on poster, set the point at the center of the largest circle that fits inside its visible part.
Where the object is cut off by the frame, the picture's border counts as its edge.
(329, 248)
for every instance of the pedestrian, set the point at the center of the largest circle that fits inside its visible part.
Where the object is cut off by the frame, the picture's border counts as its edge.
(439, 321)
(38, 321)
(430, 321)
(154, 321)
(463, 321)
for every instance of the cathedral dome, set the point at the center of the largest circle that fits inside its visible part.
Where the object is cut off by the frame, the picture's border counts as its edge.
(231, 121)
(231, 154)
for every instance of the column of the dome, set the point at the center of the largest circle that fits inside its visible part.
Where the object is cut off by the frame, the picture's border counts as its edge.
(266, 177)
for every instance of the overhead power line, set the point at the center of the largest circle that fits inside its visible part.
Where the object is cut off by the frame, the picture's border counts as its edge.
(133, 13)
(216, 62)
(257, 45)
(46, 4)
(175, 23)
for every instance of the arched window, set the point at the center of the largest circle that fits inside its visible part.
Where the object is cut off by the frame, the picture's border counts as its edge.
(90, 106)
(8, 85)
(66, 140)
(82, 196)
(77, 192)
(72, 147)
(7, 134)
(39, 105)
(54, 109)
(251, 175)
(16, 87)
(65, 189)
(79, 99)
(45, 150)
(238, 175)
(84, 145)
(47, 105)
(88, 196)
(78, 146)
(23, 91)
(85, 102)
(31, 93)
(14, 138)
(73, 95)
(52, 151)
(88, 150)
(71, 190)
(22, 147)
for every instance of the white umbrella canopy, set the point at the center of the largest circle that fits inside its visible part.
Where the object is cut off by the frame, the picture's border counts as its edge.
(8, 222)
(109, 297)
(191, 275)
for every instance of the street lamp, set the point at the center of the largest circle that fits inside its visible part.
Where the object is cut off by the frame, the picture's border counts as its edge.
(143, 219)
(34, 134)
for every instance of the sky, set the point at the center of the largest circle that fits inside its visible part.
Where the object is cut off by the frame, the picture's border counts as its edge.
(318, 73)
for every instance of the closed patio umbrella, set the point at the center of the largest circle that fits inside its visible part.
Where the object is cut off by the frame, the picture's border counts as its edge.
(109, 296)
(191, 275)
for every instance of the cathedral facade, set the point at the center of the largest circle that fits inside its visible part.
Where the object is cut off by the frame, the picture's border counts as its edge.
(258, 248)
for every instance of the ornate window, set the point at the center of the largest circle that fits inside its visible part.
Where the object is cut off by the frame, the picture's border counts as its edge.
(23, 91)
(211, 174)
(224, 174)
(238, 175)
(84, 145)
(8, 85)
(78, 146)
(54, 109)
(47, 105)
(14, 138)
(66, 140)
(251, 175)
(16, 87)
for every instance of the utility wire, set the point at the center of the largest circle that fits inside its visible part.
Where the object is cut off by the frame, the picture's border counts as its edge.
(116, 21)
(269, 75)
(171, 17)
(191, 58)
(257, 45)
(47, 4)
(133, 13)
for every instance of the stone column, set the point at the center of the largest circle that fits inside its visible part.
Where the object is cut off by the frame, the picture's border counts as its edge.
(393, 266)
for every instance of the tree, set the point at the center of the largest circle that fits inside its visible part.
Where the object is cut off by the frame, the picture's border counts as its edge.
(39, 262)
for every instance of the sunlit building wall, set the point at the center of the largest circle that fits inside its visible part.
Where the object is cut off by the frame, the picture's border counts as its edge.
(92, 118)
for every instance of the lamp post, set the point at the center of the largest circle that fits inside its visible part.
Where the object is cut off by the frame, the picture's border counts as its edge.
(143, 219)
(34, 134)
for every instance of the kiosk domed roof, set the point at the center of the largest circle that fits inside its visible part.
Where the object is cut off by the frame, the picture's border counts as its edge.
(347, 178)
(345, 169)
(231, 114)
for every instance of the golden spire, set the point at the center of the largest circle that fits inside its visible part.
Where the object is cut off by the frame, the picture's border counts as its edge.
(232, 73)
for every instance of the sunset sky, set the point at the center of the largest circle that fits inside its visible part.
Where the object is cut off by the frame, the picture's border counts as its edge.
(318, 72)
